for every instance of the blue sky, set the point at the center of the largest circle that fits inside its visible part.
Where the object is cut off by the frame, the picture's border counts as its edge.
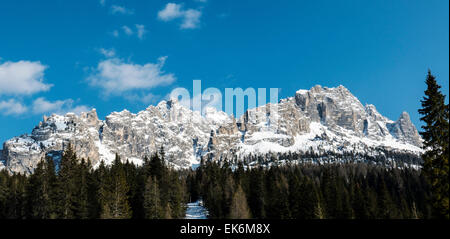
(63, 55)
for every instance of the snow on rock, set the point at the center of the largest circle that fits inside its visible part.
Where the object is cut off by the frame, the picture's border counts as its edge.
(321, 119)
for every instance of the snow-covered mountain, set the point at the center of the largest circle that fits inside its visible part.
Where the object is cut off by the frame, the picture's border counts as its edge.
(319, 120)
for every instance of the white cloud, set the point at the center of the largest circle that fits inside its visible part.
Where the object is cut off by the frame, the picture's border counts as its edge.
(42, 106)
(140, 31)
(190, 17)
(115, 76)
(108, 52)
(22, 78)
(115, 9)
(12, 107)
(127, 30)
(148, 98)
(102, 2)
(170, 12)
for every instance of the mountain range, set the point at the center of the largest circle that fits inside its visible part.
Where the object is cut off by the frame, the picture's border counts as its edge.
(320, 121)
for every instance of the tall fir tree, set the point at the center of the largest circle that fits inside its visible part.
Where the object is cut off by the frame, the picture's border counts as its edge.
(435, 115)
(17, 205)
(41, 191)
(256, 198)
(307, 200)
(119, 207)
(82, 177)
(4, 192)
(239, 207)
(152, 203)
(67, 188)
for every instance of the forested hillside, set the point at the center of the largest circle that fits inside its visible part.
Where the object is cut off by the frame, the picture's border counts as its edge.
(152, 191)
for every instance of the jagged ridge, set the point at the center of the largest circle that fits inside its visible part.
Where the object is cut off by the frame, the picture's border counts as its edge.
(320, 119)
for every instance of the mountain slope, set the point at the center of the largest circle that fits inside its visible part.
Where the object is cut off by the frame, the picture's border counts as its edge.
(320, 120)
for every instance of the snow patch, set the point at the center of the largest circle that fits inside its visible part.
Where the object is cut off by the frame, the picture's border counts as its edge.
(196, 210)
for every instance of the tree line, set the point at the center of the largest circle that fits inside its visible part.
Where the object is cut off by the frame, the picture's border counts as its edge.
(77, 191)
(311, 191)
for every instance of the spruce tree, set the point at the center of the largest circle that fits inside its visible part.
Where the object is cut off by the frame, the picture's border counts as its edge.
(152, 203)
(82, 177)
(118, 204)
(4, 192)
(67, 187)
(41, 191)
(16, 203)
(175, 197)
(360, 204)
(239, 207)
(257, 191)
(435, 115)
(386, 207)
(308, 200)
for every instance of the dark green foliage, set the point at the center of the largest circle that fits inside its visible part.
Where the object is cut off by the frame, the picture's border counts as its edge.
(67, 187)
(4, 193)
(436, 143)
(311, 191)
(76, 191)
(114, 193)
(155, 191)
(42, 191)
(256, 193)
(303, 198)
(17, 206)
(152, 204)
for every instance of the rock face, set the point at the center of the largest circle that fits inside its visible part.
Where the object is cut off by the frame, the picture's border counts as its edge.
(404, 130)
(320, 119)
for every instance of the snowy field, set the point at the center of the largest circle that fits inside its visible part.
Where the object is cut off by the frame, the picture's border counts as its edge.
(196, 210)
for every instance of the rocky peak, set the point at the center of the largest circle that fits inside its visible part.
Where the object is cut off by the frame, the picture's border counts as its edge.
(373, 114)
(321, 120)
(90, 117)
(404, 130)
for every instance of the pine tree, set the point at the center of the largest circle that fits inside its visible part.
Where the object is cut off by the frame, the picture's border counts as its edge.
(228, 191)
(82, 177)
(175, 197)
(295, 198)
(436, 143)
(386, 208)
(17, 206)
(157, 166)
(360, 204)
(120, 208)
(307, 200)
(239, 208)
(118, 204)
(41, 195)
(257, 191)
(67, 187)
(278, 196)
(4, 192)
(152, 203)
(103, 179)
(331, 193)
